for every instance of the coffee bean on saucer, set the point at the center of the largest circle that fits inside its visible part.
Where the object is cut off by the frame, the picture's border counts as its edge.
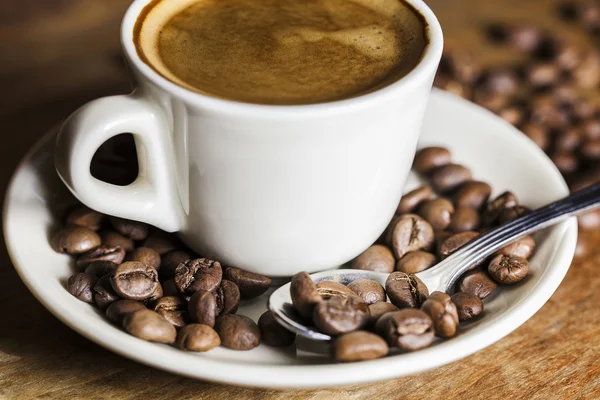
(117, 310)
(477, 283)
(132, 229)
(146, 256)
(227, 296)
(170, 261)
(81, 286)
(508, 269)
(162, 242)
(511, 213)
(202, 308)
(251, 285)
(134, 280)
(74, 239)
(472, 194)
(368, 290)
(455, 242)
(198, 274)
(104, 294)
(405, 290)
(376, 258)
(438, 212)
(538, 134)
(431, 157)
(407, 329)
(174, 309)
(272, 333)
(446, 178)
(467, 305)
(411, 200)
(101, 268)
(415, 261)
(238, 332)
(495, 207)
(329, 289)
(197, 337)
(410, 232)
(86, 217)
(358, 346)
(376, 310)
(149, 325)
(442, 312)
(304, 294)
(115, 239)
(338, 315)
(521, 248)
(101, 253)
(566, 162)
(464, 219)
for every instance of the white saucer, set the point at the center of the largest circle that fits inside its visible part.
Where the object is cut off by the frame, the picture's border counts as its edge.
(493, 149)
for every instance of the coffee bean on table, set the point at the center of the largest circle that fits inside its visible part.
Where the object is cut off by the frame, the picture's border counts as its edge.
(198, 274)
(477, 283)
(227, 296)
(86, 217)
(170, 262)
(411, 200)
(104, 294)
(117, 310)
(134, 280)
(251, 285)
(449, 177)
(146, 256)
(132, 229)
(101, 253)
(405, 290)
(238, 332)
(508, 269)
(438, 212)
(376, 258)
(358, 346)
(74, 239)
(149, 325)
(304, 294)
(81, 285)
(376, 310)
(272, 333)
(100, 268)
(329, 289)
(174, 309)
(114, 239)
(197, 337)
(407, 329)
(521, 248)
(442, 312)
(464, 219)
(202, 308)
(472, 194)
(415, 261)
(368, 290)
(338, 315)
(408, 233)
(455, 242)
(162, 242)
(431, 157)
(495, 207)
(467, 305)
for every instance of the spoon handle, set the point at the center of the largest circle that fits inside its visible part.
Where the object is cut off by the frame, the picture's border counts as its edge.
(443, 275)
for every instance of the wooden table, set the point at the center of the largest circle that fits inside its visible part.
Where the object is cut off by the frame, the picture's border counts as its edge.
(57, 54)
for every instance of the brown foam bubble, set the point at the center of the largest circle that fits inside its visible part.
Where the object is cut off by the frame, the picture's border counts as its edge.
(281, 51)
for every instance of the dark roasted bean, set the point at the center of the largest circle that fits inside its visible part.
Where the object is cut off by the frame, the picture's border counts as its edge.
(338, 315)
(115, 239)
(357, 346)
(238, 332)
(405, 290)
(508, 269)
(162, 243)
(376, 310)
(443, 314)
(328, 289)
(81, 285)
(304, 294)
(104, 293)
(477, 283)
(473, 194)
(146, 256)
(446, 178)
(174, 309)
(409, 233)
(411, 200)
(455, 242)
(228, 297)
(464, 219)
(202, 308)
(149, 325)
(101, 268)
(407, 329)
(431, 157)
(368, 290)
(272, 333)
(86, 217)
(376, 258)
(74, 239)
(250, 284)
(467, 305)
(117, 310)
(131, 229)
(101, 253)
(438, 212)
(495, 207)
(522, 247)
(198, 274)
(197, 337)
(170, 261)
(134, 280)
(415, 261)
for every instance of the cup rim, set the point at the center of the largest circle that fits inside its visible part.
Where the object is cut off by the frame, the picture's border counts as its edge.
(418, 75)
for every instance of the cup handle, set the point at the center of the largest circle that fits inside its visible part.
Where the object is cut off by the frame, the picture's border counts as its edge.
(153, 197)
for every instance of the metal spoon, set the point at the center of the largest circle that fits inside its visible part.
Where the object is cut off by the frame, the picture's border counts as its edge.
(442, 276)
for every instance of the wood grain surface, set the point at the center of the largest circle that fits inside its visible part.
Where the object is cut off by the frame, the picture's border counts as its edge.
(57, 54)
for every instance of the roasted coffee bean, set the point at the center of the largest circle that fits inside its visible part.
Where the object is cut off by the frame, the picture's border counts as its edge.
(86, 217)
(467, 305)
(542, 74)
(589, 220)
(446, 178)
(134, 230)
(583, 247)
(162, 243)
(472, 194)
(502, 81)
(460, 63)
(202, 308)
(358, 346)
(238, 332)
(81, 285)
(368, 290)
(443, 314)
(512, 213)
(146, 256)
(101, 253)
(566, 162)
(591, 129)
(521, 248)
(464, 219)
(114, 239)
(495, 207)
(101, 268)
(410, 233)
(149, 325)
(134, 280)
(415, 261)
(405, 290)
(170, 261)
(376, 258)
(567, 140)
(104, 293)
(584, 109)
(497, 32)
(431, 157)
(565, 93)
(513, 115)
(538, 134)
(455, 242)
(170, 288)
(438, 212)
(304, 294)
(74, 239)
(477, 283)
(251, 285)
(587, 74)
(117, 310)
(440, 238)
(197, 337)
(568, 57)
(338, 315)
(452, 85)
(411, 200)
(546, 112)
(491, 100)
(407, 329)
(227, 296)
(272, 333)
(198, 274)
(525, 38)
(174, 309)
(376, 310)
(508, 269)
(329, 289)
(156, 295)
(590, 150)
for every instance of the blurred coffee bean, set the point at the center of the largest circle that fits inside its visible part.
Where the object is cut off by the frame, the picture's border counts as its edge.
(170, 261)
(567, 140)
(590, 150)
(197, 337)
(443, 314)
(587, 73)
(104, 294)
(489, 99)
(376, 310)
(162, 242)
(272, 333)
(429, 158)
(74, 239)
(115, 239)
(174, 309)
(568, 57)
(453, 86)
(589, 220)
(464, 219)
(146, 256)
(86, 217)
(460, 64)
(524, 38)
(358, 346)
(132, 229)
(81, 285)
(304, 294)
(538, 134)
(477, 283)
(407, 329)
(376, 258)
(591, 129)
(467, 305)
(565, 161)
(198, 274)
(502, 81)
(415, 261)
(117, 310)
(438, 212)
(523, 247)
(565, 93)
(545, 111)
(411, 200)
(149, 325)
(569, 9)
(495, 207)
(583, 247)
(328, 289)
(134, 280)
(513, 115)
(405, 290)
(473, 194)
(170, 288)
(101, 268)
(410, 232)
(455, 242)
(447, 178)
(508, 268)
(101, 253)
(338, 315)
(368, 290)
(584, 109)
(511, 213)
(542, 74)
(251, 285)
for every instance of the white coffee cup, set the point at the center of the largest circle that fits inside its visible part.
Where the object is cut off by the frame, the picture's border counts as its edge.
(271, 189)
